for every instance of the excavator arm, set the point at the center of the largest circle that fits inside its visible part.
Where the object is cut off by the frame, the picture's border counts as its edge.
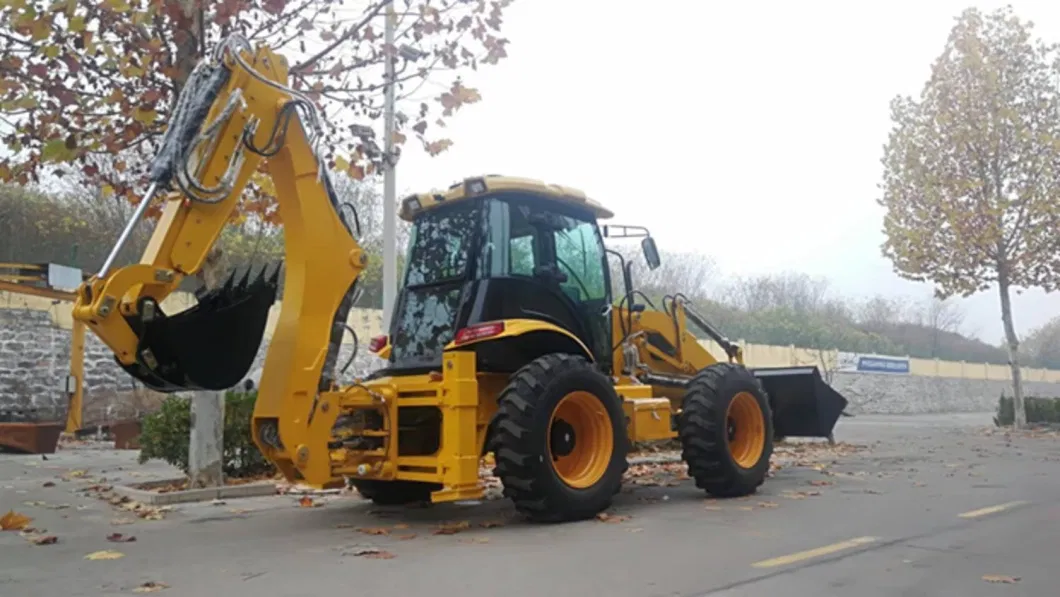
(234, 111)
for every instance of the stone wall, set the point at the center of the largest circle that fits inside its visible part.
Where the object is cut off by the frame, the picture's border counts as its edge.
(913, 394)
(35, 356)
(35, 359)
(34, 362)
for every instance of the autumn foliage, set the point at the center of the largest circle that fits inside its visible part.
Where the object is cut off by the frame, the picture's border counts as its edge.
(86, 86)
(972, 167)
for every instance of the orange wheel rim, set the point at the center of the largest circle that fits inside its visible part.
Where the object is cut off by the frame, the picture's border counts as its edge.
(746, 430)
(580, 439)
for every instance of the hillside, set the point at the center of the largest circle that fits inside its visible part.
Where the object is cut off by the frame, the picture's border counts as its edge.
(796, 309)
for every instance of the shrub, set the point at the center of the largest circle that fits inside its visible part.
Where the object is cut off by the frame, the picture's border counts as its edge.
(1039, 410)
(166, 436)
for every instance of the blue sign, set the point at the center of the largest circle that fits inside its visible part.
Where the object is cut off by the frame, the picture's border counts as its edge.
(883, 365)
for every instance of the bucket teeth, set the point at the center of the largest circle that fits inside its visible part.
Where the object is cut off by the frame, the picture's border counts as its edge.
(212, 345)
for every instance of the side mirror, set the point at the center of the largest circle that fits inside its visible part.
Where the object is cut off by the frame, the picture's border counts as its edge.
(651, 253)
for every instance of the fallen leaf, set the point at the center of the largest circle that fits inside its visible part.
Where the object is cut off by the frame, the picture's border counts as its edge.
(120, 521)
(150, 587)
(768, 505)
(452, 528)
(405, 537)
(475, 540)
(13, 521)
(374, 530)
(34, 504)
(611, 518)
(44, 539)
(819, 483)
(370, 552)
(400, 526)
(48, 484)
(120, 538)
(76, 474)
(307, 502)
(999, 578)
(106, 554)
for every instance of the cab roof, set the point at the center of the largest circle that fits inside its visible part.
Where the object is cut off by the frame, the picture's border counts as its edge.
(481, 185)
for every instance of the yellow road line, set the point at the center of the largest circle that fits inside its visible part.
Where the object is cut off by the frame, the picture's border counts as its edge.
(991, 509)
(814, 553)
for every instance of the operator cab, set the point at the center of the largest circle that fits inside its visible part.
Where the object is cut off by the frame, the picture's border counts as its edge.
(499, 249)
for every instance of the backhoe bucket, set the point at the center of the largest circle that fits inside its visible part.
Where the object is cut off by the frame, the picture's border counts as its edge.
(803, 404)
(210, 346)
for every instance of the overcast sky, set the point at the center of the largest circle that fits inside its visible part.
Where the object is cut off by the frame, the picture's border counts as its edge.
(749, 131)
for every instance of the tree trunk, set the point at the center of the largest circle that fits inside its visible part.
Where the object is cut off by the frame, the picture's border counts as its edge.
(206, 446)
(1020, 418)
(190, 43)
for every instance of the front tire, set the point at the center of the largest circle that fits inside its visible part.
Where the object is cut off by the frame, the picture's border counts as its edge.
(560, 440)
(726, 431)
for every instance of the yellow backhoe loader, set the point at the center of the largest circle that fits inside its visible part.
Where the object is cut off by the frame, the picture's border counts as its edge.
(506, 336)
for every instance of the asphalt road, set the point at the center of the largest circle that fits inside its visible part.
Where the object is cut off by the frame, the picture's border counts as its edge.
(930, 506)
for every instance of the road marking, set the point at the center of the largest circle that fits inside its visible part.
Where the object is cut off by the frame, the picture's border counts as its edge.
(814, 553)
(991, 509)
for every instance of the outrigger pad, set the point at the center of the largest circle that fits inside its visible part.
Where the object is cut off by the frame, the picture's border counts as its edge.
(803, 404)
(210, 346)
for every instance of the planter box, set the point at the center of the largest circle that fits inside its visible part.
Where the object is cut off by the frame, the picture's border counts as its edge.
(30, 438)
(150, 492)
(126, 435)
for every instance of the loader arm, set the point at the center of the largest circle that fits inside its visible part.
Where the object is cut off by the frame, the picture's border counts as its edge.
(235, 110)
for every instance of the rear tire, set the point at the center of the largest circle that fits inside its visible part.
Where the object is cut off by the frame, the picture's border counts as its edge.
(726, 431)
(559, 440)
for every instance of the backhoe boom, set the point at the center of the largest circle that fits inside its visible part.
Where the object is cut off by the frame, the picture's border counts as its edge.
(235, 110)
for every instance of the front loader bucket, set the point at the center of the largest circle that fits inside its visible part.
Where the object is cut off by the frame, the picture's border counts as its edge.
(803, 404)
(210, 346)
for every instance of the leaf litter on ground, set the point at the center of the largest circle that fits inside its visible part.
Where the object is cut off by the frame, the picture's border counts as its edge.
(452, 528)
(13, 521)
(106, 554)
(1001, 579)
(372, 553)
(667, 470)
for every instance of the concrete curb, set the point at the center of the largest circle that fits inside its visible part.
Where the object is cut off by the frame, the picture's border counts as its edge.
(660, 458)
(153, 498)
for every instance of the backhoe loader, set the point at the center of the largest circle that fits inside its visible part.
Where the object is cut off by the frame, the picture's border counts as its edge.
(506, 336)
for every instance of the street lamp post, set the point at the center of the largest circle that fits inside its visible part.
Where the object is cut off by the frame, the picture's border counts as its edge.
(389, 190)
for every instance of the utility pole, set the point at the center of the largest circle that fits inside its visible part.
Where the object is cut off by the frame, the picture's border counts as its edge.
(389, 190)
